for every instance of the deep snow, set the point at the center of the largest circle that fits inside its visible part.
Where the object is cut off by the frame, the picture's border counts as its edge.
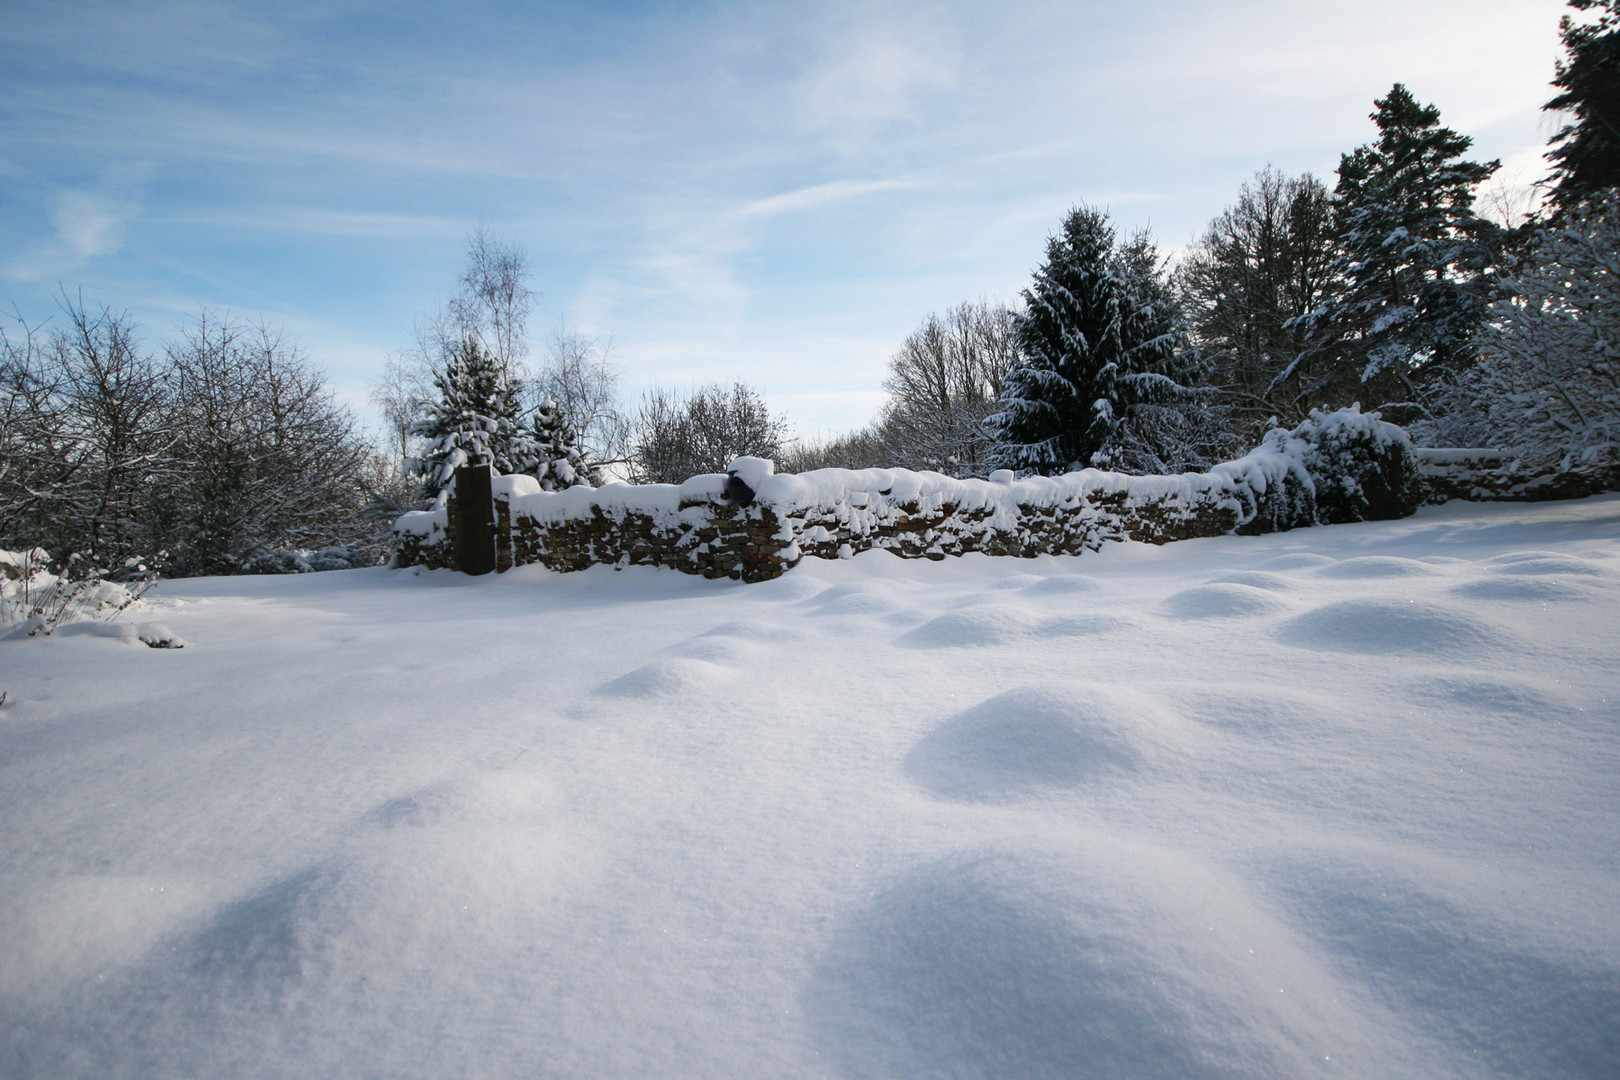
(1339, 802)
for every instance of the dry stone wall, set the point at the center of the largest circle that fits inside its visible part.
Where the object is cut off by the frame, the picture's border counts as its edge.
(753, 524)
(1483, 475)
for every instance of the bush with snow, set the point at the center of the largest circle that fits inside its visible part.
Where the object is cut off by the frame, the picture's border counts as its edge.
(37, 600)
(1547, 386)
(301, 561)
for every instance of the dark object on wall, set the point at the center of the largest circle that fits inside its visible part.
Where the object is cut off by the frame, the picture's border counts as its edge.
(737, 493)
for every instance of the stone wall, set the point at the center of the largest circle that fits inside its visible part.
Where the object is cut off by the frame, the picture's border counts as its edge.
(753, 525)
(1483, 475)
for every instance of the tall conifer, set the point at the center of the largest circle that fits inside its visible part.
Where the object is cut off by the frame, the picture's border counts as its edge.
(549, 450)
(1586, 152)
(1097, 336)
(1415, 257)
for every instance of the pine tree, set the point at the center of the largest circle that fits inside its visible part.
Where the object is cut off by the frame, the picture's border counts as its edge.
(1416, 259)
(473, 422)
(1586, 152)
(550, 451)
(1097, 338)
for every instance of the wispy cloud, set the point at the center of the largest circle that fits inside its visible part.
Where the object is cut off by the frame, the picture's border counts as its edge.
(86, 226)
(321, 221)
(878, 66)
(818, 195)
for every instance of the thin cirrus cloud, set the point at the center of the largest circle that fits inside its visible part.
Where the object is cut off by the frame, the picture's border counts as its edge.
(321, 221)
(819, 195)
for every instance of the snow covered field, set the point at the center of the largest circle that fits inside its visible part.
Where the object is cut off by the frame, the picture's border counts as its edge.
(1338, 802)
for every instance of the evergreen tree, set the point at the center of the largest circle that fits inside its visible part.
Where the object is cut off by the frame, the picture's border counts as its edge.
(1097, 338)
(550, 450)
(1416, 259)
(1586, 152)
(473, 422)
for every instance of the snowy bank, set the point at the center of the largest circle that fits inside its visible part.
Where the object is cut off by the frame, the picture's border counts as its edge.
(1330, 803)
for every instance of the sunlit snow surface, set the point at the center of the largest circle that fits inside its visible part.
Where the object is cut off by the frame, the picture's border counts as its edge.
(1341, 802)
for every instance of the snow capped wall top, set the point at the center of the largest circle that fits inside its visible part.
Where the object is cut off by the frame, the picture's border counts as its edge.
(753, 521)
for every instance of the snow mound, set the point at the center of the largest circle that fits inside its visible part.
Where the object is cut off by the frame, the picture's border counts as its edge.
(999, 624)
(1525, 588)
(675, 677)
(1392, 626)
(1084, 625)
(1016, 581)
(1050, 962)
(1297, 560)
(1541, 562)
(721, 650)
(1262, 712)
(1067, 585)
(1035, 737)
(1472, 980)
(1255, 579)
(853, 600)
(153, 635)
(789, 588)
(749, 630)
(987, 624)
(1220, 602)
(1493, 697)
(1376, 566)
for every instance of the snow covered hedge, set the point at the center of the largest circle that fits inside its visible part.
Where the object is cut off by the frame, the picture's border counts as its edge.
(754, 524)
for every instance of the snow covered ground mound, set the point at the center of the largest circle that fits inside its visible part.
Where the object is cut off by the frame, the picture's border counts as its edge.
(1340, 802)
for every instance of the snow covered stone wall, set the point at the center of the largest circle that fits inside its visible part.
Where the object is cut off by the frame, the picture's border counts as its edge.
(1485, 475)
(754, 524)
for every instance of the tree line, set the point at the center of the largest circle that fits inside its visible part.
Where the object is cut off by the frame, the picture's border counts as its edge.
(214, 454)
(224, 451)
(1389, 290)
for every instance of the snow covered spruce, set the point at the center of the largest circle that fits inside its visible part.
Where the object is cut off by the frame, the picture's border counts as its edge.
(754, 524)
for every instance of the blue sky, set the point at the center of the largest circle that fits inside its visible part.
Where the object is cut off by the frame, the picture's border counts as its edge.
(777, 192)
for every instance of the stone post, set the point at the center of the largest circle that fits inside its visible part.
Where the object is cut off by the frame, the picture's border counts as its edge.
(471, 513)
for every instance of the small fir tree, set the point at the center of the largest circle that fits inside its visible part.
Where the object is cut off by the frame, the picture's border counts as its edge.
(1097, 338)
(1415, 258)
(473, 422)
(1585, 154)
(550, 451)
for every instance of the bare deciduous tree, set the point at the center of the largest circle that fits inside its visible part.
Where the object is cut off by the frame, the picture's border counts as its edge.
(1261, 266)
(865, 448)
(271, 460)
(403, 395)
(494, 300)
(675, 437)
(943, 381)
(580, 376)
